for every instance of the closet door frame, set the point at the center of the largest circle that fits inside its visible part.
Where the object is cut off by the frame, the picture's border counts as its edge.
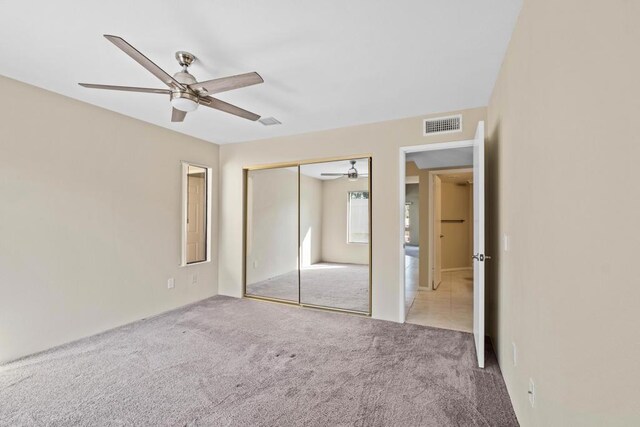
(245, 196)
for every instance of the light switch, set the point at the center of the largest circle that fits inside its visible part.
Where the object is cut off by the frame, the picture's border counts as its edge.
(171, 283)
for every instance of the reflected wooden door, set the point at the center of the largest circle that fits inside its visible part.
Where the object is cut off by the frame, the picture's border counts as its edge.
(196, 234)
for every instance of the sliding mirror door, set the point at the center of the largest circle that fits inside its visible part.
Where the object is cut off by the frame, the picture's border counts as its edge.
(334, 235)
(271, 258)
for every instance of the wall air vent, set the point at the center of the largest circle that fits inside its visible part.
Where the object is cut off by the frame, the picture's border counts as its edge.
(447, 124)
(269, 121)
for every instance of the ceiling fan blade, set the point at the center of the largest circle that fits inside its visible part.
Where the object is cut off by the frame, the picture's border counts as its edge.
(126, 88)
(227, 108)
(228, 83)
(333, 174)
(178, 115)
(144, 61)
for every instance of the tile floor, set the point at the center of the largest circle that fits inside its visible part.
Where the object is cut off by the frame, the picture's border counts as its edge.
(449, 307)
(411, 279)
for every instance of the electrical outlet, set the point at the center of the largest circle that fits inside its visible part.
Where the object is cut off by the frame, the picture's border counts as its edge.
(532, 393)
(171, 283)
(255, 264)
(515, 354)
(505, 242)
(194, 279)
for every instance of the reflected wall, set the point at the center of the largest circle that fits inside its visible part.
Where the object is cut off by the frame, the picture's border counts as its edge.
(272, 233)
(337, 277)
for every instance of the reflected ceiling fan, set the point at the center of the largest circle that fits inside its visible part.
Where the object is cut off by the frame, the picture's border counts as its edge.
(352, 173)
(185, 92)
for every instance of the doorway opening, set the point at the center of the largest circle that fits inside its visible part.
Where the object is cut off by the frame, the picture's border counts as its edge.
(442, 236)
(446, 299)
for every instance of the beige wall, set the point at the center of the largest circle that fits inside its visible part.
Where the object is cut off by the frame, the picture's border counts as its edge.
(334, 222)
(456, 249)
(272, 223)
(382, 142)
(311, 220)
(90, 219)
(562, 138)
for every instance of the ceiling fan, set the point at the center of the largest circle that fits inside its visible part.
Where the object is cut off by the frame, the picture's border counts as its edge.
(352, 173)
(185, 92)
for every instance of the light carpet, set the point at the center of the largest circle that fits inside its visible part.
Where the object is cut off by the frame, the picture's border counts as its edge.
(233, 362)
(326, 284)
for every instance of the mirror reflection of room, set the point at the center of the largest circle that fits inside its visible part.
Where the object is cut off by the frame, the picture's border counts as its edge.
(272, 233)
(334, 234)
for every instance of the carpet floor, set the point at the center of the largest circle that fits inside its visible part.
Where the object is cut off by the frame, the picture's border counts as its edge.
(326, 284)
(233, 362)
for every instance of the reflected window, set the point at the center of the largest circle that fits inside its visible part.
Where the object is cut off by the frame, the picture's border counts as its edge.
(358, 217)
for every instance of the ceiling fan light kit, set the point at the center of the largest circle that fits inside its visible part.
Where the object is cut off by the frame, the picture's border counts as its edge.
(184, 100)
(185, 92)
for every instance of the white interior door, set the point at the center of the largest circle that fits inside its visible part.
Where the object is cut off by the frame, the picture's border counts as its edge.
(437, 231)
(478, 243)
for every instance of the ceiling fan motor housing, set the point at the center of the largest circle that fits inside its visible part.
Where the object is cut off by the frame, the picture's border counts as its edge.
(184, 78)
(185, 58)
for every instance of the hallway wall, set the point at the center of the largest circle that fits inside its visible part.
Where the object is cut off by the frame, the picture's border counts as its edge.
(456, 243)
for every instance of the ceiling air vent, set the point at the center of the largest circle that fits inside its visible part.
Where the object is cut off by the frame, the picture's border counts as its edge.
(447, 124)
(269, 121)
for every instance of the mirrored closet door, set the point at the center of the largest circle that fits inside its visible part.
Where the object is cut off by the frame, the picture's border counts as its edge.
(334, 234)
(271, 257)
(307, 230)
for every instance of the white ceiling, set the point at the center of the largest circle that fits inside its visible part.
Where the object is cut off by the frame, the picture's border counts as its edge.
(315, 170)
(326, 64)
(442, 158)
